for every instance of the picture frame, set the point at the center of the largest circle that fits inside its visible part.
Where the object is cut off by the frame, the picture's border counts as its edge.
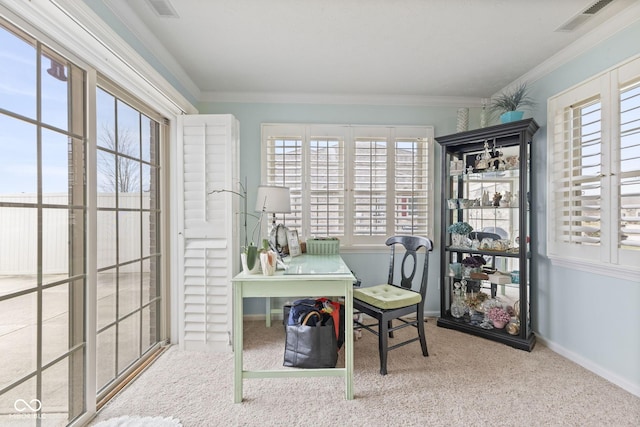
(294, 243)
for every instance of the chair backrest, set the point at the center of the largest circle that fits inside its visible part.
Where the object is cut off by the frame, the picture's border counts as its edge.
(497, 230)
(411, 245)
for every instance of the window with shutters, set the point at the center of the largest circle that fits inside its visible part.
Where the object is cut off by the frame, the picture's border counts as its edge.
(358, 183)
(629, 173)
(594, 187)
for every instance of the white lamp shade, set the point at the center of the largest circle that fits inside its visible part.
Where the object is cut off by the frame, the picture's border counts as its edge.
(273, 199)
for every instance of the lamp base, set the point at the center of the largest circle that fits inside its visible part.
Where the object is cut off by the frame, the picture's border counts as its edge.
(278, 237)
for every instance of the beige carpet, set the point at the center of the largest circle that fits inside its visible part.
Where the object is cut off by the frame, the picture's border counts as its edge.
(465, 381)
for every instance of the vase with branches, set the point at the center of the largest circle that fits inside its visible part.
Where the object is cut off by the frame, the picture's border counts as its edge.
(249, 251)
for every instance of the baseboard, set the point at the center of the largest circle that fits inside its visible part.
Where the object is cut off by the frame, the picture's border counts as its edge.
(591, 366)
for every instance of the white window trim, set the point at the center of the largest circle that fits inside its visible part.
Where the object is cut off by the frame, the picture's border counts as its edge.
(348, 244)
(610, 261)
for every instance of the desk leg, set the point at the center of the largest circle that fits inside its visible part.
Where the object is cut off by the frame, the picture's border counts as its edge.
(268, 311)
(237, 342)
(348, 340)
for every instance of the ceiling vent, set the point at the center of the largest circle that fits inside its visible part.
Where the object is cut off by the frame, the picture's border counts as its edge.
(163, 8)
(596, 7)
(583, 17)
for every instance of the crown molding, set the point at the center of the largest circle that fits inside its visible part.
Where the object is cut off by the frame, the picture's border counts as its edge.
(340, 99)
(130, 19)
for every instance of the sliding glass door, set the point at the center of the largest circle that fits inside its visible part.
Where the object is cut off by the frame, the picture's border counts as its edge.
(49, 298)
(42, 228)
(128, 255)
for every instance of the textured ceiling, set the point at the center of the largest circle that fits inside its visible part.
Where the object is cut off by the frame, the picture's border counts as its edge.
(425, 48)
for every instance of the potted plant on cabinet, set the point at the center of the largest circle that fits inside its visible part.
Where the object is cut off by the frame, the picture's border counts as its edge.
(510, 103)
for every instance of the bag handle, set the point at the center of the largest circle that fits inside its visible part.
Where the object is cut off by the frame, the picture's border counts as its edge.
(309, 314)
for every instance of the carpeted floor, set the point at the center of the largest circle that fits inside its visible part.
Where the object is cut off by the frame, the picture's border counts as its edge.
(465, 381)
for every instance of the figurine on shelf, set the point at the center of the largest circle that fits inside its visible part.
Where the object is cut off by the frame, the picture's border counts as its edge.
(505, 201)
(457, 305)
(499, 163)
(483, 159)
(496, 199)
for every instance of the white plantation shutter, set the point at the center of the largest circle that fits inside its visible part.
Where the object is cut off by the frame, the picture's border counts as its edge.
(358, 183)
(575, 209)
(594, 187)
(326, 186)
(577, 174)
(284, 168)
(629, 173)
(370, 186)
(208, 226)
(411, 186)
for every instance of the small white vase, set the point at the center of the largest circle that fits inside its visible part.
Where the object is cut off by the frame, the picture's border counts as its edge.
(268, 262)
(245, 267)
(462, 123)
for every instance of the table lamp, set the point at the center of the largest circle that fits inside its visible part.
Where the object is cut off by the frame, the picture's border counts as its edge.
(273, 200)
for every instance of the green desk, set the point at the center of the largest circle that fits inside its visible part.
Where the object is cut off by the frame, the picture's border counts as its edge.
(306, 276)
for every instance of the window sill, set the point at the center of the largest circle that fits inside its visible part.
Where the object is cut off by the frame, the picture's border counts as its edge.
(609, 270)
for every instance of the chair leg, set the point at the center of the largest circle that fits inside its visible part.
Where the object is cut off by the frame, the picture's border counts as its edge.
(421, 334)
(383, 346)
(389, 325)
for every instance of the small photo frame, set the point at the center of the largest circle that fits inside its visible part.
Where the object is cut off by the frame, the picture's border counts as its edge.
(294, 243)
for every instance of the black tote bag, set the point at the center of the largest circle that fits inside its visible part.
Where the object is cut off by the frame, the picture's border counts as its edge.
(311, 346)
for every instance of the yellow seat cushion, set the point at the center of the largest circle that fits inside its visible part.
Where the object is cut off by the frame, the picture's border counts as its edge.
(387, 297)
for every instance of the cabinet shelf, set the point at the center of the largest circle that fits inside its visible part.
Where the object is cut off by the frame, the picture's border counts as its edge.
(499, 335)
(508, 147)
(482, 252)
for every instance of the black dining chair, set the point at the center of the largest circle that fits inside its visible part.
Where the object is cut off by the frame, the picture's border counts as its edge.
(403, 294)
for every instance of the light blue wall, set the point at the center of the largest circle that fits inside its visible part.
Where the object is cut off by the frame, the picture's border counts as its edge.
(591, 318)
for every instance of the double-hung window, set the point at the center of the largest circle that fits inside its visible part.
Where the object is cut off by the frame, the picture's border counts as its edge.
(358, 183)
(594, 187)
